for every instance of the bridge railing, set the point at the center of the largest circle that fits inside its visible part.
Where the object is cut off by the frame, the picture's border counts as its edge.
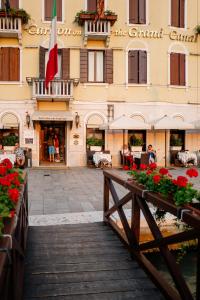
(130, 232)
(12, 251)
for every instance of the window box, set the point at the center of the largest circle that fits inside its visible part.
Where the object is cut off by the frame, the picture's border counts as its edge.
(95, 148)
(136, 148)
(81, 17)
(16, 13)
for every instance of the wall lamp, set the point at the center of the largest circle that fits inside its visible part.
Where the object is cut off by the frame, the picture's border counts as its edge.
(28, 119)
(77, 120)
(29, 80)
(76, 81)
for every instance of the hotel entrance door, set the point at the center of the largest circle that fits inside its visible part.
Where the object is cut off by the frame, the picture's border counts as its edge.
(48, 132)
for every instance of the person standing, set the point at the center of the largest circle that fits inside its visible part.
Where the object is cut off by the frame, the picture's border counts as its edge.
(20, 157)
(56, 145)
(151, 154)
(51, 147)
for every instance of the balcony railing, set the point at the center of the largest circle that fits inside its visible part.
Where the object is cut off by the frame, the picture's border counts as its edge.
(99, 30)
(10, 27)
(57, 89)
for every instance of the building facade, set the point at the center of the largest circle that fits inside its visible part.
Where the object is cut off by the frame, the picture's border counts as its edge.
(139, 58)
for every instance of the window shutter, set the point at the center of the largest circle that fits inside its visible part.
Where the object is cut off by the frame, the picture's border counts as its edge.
(142, 67)
(182, 69)
(175, 13)
(4, 75)
(109, 66)
(59, 10)
(42, 52)
(142, 11)
(174, 69)
(48, 9)
(133, 66)
(92, 5)
(182, 13)
(133, 11)
(65, 63)
(14, 4)
(83, 65)
(14, 64)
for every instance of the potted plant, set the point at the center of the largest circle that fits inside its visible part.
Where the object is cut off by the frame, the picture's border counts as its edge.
(175, 143)
(197, 29)
(136, 143)
(85, 15)
(16, 13)
(95, 144)
(9, 142)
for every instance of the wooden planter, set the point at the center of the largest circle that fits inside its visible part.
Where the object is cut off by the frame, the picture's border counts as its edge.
(88, 17)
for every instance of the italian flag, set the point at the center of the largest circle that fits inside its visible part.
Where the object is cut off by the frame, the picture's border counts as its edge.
(52, 64)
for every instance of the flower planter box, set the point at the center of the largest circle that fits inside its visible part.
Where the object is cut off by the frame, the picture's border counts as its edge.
(176, 148)
(90, 16)
(95, 148)
(136, 148)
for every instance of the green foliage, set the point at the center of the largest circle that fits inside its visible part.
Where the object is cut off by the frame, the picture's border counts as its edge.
(94, 142)
(10, 140)
(134, 141)
(17, 13)
(185, 195)
(175, 141)
(197, 29)
(109, 13)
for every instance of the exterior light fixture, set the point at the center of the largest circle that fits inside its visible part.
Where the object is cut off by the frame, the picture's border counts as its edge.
(29, 80)
(28, 119)
(77, 120)
(75, 81)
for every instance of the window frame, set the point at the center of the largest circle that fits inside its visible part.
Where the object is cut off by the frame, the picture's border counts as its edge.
(186, 70)
(185, 16)
(95, 51)
(138, 24)
(43, 13)
(9, 82)
(148, 68)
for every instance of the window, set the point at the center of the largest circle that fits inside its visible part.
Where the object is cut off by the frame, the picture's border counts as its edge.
(13, 4)
(48, 5)
(177, 69)
(92, 5)
(95, 66)
(63, 63)
(137, 67)
(178, 13)
(137, 11)
(9, 64)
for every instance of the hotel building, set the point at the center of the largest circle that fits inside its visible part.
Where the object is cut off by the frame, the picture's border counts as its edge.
(140, 59)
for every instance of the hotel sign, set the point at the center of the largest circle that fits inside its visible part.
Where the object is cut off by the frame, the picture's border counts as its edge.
(133, 32)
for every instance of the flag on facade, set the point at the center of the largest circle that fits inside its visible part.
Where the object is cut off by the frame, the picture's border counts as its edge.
(52, 64)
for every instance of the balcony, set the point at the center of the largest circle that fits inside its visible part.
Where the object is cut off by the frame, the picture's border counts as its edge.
(11, 27)
(99, 30)
(58, 89)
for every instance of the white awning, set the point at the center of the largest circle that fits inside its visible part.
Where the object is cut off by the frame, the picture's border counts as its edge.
(125, 122)
(9, 120)
(167, 122)
(52, 116)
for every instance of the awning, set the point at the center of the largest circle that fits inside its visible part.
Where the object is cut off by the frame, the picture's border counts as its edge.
(52, 116)
(167, 122)
(8, 121)
(125, 122)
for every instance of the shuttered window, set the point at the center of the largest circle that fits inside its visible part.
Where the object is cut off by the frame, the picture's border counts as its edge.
(178, 13)
(92, 5)
(95, 66)
(137, 11)
(48, 5)
(177, 69)
(13, 4)
(137, 67)
(63, 63)
(9, 64)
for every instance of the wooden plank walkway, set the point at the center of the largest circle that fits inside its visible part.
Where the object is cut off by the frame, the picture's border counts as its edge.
(79, 262)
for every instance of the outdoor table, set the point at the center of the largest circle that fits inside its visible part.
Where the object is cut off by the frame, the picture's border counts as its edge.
(99, 156)
(11, 157)
(187, 156)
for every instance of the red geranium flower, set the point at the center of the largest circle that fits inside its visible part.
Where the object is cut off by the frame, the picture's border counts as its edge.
(7, 163)
(153, 166)
(13, 195)
(182, 181)
(156, 179)
(143, 167)
(192, 172)
(163, 171)
(148, 172)
(126, 168)
(16, 182)
(134, 167)
(12, 214)
(4, 182)
(174, 181)
(3, 170)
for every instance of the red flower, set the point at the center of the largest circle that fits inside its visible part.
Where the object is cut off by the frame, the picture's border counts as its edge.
(192, 172)
(163, 171)
(182, 181)
(148, 172)
(153, 166)
(174, 181)
(7, 163)
(16, 182)
(12, 214)
(125, 168)
(3, 170)
(134, 167)
(156, 179)
(143, 167)
(4, 182)
(13, 195)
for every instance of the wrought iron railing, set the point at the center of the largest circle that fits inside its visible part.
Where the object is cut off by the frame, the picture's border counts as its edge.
(130, 234)
(12, 251)
(56, 89)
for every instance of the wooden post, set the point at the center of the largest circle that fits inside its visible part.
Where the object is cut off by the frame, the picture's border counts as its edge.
(198, 271)
(135, 218)
(106, 198)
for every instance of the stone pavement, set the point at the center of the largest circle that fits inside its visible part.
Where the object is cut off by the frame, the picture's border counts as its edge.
(72, 195)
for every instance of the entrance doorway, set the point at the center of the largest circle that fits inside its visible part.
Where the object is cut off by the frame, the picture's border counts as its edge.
(48, 131)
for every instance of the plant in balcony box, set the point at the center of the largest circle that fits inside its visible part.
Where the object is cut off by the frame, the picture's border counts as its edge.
(95, 144)
(175, 143)
(18, 13)
(136, 143)
(197, 29)
(10, 181)
(84, 15)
